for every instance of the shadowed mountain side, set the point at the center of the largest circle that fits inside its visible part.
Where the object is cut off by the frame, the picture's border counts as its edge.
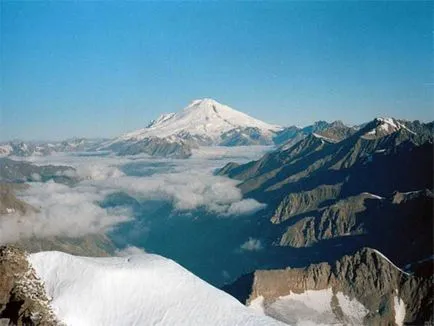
(396, 226)
(369, 187)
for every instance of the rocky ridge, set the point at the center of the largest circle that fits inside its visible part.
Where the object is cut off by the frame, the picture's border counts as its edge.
(22, 296)
(388, 295)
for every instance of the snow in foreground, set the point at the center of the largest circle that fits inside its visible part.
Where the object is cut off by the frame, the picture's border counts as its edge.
(313, 307)
(136, 290)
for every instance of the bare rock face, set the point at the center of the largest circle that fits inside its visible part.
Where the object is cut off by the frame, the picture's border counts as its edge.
(303, 202)
(22, 297)
(365, 288)
(337, 220)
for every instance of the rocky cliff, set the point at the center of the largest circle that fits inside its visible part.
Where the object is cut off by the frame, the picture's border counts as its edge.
(22, 297)
(363, 288)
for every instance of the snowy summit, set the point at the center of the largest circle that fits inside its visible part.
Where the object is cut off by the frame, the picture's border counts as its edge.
(385, 126)
(206, 122)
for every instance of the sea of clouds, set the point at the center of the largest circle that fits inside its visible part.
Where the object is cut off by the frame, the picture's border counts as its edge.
(75, 210)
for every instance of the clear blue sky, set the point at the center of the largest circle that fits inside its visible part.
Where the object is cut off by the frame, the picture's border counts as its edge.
(104, 68)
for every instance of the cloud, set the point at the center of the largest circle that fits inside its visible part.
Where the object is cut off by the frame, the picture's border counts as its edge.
(245, 207)
(36, 177)
(252, 245)
(74, 210)
(130, 251)
(62, 210)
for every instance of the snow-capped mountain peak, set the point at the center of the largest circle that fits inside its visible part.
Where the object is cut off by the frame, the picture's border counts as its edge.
(381, 126)
(204, 121)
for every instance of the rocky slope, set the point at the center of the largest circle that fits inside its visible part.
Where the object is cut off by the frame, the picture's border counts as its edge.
(363, 288)
(334, 132)
(370, 215)
(22, 295)
(378, 178)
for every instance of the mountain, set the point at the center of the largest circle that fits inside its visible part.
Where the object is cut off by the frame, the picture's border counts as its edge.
(368, 215)
(364, 288)
(19, 171)
(334, 132)
(24, 149)
(134, 290)
(202, 123)
(348, 192)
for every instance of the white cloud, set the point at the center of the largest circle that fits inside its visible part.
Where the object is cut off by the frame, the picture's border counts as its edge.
(130, 251)
(252, 245)
(36, 177)
(245, 207)
(62, 211)
(74, 211)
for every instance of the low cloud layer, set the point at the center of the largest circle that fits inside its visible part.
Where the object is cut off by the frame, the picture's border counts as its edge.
(252, 245)
(62, 211)
(74, 211)
(130, 251)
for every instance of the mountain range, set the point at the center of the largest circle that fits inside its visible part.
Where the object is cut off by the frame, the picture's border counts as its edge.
(204, 122)
(370, 188)
(355, 202)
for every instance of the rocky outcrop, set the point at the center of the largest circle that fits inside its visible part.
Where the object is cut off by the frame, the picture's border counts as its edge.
(333, 221)
(22, 296)
(306, 201)
(362, 288)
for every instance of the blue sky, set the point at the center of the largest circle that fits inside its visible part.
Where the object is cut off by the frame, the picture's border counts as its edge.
(104, 68)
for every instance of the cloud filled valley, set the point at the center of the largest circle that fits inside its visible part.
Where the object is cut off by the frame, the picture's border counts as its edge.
(75, 210)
